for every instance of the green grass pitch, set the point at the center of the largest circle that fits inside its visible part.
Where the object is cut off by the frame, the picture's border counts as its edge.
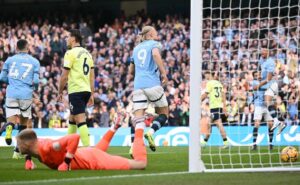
(167, 166)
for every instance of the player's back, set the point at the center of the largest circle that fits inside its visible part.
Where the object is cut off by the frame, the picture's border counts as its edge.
(267, 66)
(79, 61)
(146, 70)
(214, 88)
(21, 69)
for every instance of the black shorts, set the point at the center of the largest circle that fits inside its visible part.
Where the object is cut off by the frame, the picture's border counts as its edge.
(78, 102)
(216, 114)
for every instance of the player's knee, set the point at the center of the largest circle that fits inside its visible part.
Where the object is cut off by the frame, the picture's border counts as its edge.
(161, 119)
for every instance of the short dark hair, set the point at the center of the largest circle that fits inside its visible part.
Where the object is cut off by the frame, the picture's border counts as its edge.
(76, 33)
(27, 135)
(21, 44)
(215, 73)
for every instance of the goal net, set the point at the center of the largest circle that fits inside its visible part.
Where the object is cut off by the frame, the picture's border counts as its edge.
(235, 34)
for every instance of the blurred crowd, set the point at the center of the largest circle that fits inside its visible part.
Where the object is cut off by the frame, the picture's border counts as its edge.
(231, 46)
(111, 47)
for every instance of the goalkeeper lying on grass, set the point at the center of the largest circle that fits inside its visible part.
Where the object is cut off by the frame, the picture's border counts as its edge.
(63, 154)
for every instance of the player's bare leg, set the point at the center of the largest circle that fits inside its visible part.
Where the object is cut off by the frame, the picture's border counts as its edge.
(207, 135)
(222, 132)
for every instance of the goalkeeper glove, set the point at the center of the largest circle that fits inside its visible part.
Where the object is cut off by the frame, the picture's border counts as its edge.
(65, 166)
(29, 165)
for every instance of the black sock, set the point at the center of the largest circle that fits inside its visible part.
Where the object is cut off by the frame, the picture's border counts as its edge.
(206, 139)
(225, 139)
(132, 132)
(270, 135)
(72, 123)
(159, 122)
(81, 124)
(255, 134)
(272, 111)
(155, 126)
(21, 127)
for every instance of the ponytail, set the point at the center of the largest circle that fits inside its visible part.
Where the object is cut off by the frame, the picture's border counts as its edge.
(142, 36)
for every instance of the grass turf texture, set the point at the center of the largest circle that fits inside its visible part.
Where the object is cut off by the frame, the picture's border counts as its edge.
(166, 159)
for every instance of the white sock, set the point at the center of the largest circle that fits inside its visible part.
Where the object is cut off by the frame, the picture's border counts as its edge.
(112, 128)
(140, 125)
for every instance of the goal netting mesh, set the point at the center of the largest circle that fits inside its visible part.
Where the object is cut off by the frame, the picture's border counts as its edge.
(233, 35)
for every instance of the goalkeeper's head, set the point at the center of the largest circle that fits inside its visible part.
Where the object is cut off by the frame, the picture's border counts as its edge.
(27, 141)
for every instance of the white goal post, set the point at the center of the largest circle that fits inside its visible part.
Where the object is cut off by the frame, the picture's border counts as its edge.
(213, 159)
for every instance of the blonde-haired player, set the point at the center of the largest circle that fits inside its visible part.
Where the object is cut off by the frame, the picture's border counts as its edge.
(149, 75)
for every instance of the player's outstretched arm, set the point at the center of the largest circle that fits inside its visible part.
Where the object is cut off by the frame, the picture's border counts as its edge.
(68, 143)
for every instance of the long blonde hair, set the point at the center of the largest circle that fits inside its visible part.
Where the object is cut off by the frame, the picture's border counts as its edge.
(143, 34)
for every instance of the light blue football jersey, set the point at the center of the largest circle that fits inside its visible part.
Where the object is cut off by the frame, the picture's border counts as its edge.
(21, 72)
(146, 71)
(267, 66)
(258, 96)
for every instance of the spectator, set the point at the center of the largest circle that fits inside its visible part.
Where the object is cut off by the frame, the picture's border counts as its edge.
(105, 117)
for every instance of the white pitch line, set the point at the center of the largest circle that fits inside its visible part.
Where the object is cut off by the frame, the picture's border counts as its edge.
(91, 178)
(152, 153)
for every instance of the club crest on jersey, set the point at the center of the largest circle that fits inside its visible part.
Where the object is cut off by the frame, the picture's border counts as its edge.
(56, 146)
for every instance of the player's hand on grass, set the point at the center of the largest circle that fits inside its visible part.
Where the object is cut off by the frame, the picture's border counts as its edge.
(29, 165)
(64, 167)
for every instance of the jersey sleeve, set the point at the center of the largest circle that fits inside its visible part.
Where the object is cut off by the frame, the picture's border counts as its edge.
(131, 60)
(271, 66)
(68, 143)
(157, 45)
(68, 60)
(91, 61)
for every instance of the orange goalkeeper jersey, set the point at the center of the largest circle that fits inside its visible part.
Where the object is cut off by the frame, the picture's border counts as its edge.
(52, 154)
